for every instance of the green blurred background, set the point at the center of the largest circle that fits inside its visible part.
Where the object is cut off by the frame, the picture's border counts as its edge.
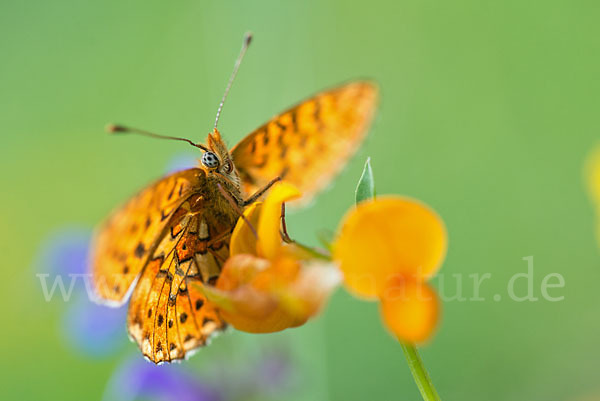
(488, 111)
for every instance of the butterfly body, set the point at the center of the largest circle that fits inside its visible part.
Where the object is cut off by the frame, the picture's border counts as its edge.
(173, 237)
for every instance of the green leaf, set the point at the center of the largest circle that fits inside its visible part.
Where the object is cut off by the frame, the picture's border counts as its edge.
(366, 184)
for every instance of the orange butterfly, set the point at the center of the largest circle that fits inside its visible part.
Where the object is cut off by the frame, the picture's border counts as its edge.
(176, 231)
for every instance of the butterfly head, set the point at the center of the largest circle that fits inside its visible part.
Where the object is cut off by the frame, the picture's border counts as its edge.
(218, 159)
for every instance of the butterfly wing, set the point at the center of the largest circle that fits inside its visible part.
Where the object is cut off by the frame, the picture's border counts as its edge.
(124, 242)
(310, 143)
(168, 315)
(172, 237)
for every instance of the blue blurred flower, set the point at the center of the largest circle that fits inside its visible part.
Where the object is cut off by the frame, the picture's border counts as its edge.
(65, 252)
(258, 379)
(274, 371)
(96, 330)
(92, 329)
(139, 379)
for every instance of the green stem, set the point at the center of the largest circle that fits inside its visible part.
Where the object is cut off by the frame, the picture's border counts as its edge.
(419, 373)
(313, 251)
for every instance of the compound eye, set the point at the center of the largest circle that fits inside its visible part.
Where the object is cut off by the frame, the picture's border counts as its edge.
(210, 160)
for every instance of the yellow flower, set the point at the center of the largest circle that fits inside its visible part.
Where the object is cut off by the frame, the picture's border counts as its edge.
(387, 249)
(592, 175)
(267, 285)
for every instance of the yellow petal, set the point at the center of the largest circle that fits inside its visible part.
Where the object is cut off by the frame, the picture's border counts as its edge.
(257, 296)
(390, 237)
(240, 270)
(592, 175)
(592, 172)
(312, 288)
(270, 218)
(243, 239)
(232, 285)
(272, 318)
(410, 310)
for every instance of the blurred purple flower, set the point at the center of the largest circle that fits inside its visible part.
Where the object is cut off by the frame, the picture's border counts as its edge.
(261, 376)
(65, 252)
(139, 379)
(92, 329)
(96, 330)
(274, 372)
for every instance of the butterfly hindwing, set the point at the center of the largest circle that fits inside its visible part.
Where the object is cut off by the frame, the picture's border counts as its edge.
(168, 315)
(309, 143)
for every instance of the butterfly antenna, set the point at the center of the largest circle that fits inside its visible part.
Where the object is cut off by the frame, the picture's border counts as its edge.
(115, 128)
(236, 67)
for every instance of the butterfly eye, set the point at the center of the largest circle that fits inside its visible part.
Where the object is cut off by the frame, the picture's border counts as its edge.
(210, 160)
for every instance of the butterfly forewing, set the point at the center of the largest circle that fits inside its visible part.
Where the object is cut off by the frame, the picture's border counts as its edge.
(123, 243)
(308, 144)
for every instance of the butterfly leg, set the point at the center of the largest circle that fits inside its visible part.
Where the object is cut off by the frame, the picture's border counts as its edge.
(284, 234)
(260, 192)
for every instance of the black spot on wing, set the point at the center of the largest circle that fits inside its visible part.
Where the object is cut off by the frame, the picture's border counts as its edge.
(140, 250)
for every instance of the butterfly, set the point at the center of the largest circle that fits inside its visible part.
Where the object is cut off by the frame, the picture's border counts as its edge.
(175, 232)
